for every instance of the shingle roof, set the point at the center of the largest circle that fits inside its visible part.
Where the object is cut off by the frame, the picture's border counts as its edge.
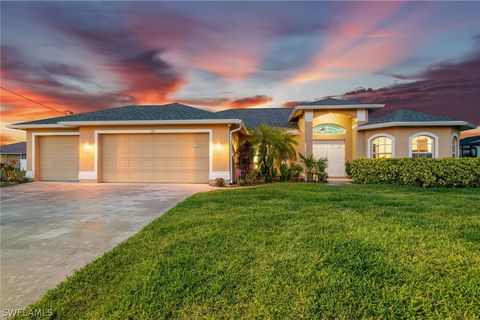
(470, 140)
(402, 115)
(331, 102)
(174, 111)
(253, 117)
(14, 148)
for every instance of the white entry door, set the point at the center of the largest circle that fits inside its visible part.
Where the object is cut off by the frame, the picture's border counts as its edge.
(334, 151)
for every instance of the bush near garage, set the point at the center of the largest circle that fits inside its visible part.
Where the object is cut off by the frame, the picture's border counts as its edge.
(447, 172)
(11, 174)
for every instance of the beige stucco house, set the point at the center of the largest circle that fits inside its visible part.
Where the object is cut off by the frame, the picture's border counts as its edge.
(176, 143)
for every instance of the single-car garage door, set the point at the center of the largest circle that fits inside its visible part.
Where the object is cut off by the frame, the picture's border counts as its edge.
(162, 157)
(58, 156)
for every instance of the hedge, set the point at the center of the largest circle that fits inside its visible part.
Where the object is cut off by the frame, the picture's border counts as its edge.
(447, 172)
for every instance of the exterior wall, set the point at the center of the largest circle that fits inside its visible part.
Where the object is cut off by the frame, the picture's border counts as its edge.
(219, 147)
(402, 136)
(30, 142)
(345, 118)
(300, 137)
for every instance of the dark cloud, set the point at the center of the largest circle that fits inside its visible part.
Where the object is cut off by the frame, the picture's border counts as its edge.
(41, 83)
(150, 78)
(227, 103)
(251, 101)
(448, 88)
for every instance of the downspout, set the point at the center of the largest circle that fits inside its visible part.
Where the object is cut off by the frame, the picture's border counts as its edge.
(231, 152)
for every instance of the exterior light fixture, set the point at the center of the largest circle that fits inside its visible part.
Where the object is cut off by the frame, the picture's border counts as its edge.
(87, 146)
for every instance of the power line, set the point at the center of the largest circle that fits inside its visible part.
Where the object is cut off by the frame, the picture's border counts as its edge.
(45, 106)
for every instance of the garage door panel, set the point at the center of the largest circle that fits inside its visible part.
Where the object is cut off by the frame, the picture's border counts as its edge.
(174, 158)
(59, 158)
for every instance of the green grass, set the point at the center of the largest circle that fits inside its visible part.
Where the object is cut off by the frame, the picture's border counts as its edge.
(291, 251)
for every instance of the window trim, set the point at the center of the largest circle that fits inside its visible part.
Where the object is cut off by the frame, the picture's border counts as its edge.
(458, 145)
(326, 124)
(436, 142)
(378, 135)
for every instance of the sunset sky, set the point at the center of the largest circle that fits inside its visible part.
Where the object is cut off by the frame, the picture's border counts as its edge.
(86, 56)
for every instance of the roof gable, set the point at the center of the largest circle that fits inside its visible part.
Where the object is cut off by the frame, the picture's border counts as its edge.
(331, 102)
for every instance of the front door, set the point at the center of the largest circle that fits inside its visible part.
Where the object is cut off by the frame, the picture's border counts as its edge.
(334, 151)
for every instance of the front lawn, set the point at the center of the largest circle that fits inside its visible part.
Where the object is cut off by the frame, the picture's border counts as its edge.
(291, 251)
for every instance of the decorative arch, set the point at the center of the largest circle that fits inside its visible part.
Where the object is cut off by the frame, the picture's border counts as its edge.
(378, 135)
(328, 128)
(456, 153)
(436, 142)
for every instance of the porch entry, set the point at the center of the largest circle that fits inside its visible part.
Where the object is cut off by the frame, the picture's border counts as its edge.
(334, 151)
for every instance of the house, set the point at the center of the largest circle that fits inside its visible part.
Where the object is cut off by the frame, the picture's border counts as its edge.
(14, 152)
(470, 147)
(177, 143)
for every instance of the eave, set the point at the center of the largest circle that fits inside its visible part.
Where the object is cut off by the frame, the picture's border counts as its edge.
(76, 124)
(464, 125)
(298, 109)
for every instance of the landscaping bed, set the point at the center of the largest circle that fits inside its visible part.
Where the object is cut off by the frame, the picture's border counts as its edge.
(291, 250)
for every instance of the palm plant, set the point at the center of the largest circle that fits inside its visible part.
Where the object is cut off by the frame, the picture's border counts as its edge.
(310, 164)
(321, 166)
(285, 147)
(273, 147)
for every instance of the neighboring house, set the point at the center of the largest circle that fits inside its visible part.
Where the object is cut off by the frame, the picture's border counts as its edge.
(470, 147)
(14, 152)
(178, 144)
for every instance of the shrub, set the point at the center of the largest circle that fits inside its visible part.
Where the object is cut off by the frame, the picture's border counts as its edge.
(285, 174)
(296, 172)
(321, 167)
(447, 172)
(249, 179)
(309, 164)
(11, 173)
(348, 168)
(245, 158)
(220, 182)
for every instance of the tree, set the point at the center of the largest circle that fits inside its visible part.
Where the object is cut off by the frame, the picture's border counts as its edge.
(273, 147)
(285, 147)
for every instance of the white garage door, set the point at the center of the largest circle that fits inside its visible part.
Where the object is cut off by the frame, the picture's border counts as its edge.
(58, 156)
(163, 157)
(334, 151)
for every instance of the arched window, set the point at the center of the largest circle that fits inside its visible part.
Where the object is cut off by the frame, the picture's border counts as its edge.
(455, 146)
(328, 128)
(381, 146)
(423, 146)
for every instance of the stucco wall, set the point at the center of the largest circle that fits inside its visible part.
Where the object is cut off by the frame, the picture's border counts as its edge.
(30, 142)
(343, 118)
(356, 142)
(402, 136)
(220, 146)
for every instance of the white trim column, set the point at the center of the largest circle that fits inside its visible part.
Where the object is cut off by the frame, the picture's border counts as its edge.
(308, 132)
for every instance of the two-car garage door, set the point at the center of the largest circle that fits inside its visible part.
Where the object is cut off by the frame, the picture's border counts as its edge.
(164, 157)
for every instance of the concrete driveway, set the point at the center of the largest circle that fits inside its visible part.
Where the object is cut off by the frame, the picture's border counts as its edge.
(48, 230)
